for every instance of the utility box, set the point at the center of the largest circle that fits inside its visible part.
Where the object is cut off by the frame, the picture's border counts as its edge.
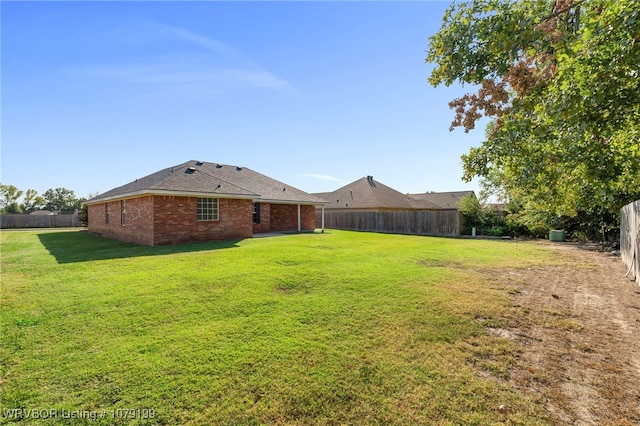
(556, 235)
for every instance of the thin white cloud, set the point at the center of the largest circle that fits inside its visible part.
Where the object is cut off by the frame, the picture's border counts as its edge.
(216, 68)
(201, 80)
(323, 177)
(259, 79)
(205, 42)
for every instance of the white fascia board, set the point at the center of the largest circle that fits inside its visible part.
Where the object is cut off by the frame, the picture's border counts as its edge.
(145, 192)
(302, 203)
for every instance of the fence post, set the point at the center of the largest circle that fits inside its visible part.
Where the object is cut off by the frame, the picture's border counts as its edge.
(630, 238)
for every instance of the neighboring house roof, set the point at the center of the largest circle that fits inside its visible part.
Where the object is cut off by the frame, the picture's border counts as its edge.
(322, 195)
(443, 200)
(196, 178)
(365, 193)
(417, 204)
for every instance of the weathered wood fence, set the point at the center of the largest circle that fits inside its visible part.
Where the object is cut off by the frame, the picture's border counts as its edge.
(8, 221)
(441, 223)
(630, 238)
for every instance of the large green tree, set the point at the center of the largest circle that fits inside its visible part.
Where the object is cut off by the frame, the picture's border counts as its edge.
(9, 196)
(61, 199)
(32, 201)
(560, 80)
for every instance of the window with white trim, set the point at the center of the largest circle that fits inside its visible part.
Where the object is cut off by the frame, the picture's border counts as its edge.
(207, 209)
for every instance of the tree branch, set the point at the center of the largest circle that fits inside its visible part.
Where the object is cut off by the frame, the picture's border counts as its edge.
(561, 11)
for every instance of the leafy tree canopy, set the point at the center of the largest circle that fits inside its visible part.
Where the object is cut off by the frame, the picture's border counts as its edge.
(32, 201)
(9, 196)
(60, 199)
(560, 80)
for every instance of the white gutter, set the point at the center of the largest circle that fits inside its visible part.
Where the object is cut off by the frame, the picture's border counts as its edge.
(302, 203)
(253, 197)
(166, 192)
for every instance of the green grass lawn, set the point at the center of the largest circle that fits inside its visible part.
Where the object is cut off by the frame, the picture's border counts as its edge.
(333, 328)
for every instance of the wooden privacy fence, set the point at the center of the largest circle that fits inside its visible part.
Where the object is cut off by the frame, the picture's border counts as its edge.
(442, 222)
(630, 238)
(8, 221)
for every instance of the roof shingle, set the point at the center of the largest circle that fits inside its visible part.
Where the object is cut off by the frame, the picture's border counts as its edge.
(443, 200)
(212, 179)
(366, 193)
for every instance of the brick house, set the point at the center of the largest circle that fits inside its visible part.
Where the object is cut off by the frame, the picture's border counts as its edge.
(197, 201)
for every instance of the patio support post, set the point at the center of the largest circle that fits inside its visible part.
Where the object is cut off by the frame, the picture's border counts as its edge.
(299, 225)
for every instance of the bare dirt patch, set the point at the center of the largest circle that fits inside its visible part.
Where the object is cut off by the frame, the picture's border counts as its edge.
(579, 328)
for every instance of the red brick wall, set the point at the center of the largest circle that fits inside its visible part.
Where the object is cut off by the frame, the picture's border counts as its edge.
(265, 219)
(157, 220)
(138, 226)
(284, 217)
(175, 220)
(308, 217)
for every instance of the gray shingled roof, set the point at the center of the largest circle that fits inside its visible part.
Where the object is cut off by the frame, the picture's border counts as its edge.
(366, 193)
(211, 179)
(443, 200)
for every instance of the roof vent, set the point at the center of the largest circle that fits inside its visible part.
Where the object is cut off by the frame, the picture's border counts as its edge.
(238, 168)
(199, 163)
(190, 170)
(219, 186)
(284, 189)
(218, 166)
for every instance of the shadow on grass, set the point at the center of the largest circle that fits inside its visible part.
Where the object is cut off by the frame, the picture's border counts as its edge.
(81, 246)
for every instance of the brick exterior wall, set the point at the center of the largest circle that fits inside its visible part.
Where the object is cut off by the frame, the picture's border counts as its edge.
(265, 219)
(138, 217)
(284, 217)
(175, 220)
(308, 218)
(157, 220)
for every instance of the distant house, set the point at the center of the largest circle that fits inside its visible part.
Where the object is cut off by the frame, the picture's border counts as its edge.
(198, 201)
(368, 205)
(441, 200)
(367, 194)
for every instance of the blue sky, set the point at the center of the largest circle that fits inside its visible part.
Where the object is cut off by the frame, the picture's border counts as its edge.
(315, 94)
